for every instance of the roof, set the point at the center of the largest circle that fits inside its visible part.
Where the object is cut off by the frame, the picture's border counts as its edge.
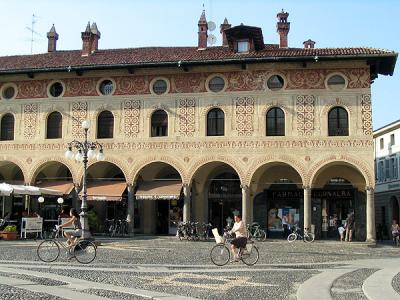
(383, 60)
(243, 31)
(387, 128)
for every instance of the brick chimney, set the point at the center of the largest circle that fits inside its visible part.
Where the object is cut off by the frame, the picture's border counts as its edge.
(87, 41)
(222, 28)
(202, 44)
(52, 36)
(95, 37)
(283, 27)
(309, 44)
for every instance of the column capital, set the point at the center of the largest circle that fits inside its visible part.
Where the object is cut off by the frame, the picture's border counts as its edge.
(306, 187)
(186, 185)
(369, 189)
(244, 187)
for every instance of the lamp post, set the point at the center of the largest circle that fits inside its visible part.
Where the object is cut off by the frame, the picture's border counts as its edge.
(41, 200)
(85, 150)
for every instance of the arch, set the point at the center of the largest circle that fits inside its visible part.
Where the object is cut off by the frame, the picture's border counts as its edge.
(140, 165)
(54, 125)
(159, 123)
(209, 159)
(215, 123)
(38, 166)
(108, 159)
(338, 121)
(7, 127)
(275, 122)
(18, 164)
(354, 163)
(105, 125)
(267, 160)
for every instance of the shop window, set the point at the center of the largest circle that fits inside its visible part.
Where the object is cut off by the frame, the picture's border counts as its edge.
(105, 125)
(215, 122)
(216, 84)
(275, 122)
(54, 126)
(56, 89)
(159, 123)
(338, 122)
(7, 127)
(275, 83)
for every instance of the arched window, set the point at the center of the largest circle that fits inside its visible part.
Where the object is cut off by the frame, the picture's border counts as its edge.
(159, 123)
(338, 122)
(275, 122)
(54, 126)
(105, 125)
(215, 122)
(7, 128)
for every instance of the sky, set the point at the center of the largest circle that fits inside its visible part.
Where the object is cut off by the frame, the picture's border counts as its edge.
(141, 23)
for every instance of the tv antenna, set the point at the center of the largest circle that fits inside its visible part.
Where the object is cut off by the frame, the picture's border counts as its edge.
(211, 27)
(32, 31)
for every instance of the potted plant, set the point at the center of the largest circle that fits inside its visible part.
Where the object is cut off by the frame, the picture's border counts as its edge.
(9, 232)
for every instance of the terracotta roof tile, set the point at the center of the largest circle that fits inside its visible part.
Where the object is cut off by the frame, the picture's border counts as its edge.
(160, 55)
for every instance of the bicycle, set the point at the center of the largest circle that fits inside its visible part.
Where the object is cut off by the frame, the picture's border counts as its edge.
(49, 250)
(220, 254)
(254, 231)
(308, 237)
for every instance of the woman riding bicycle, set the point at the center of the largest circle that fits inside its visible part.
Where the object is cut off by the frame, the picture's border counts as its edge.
(240, 240)
(72, 234)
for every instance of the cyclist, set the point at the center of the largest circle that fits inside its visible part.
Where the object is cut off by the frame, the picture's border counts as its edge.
(72, 235)
(240, 240)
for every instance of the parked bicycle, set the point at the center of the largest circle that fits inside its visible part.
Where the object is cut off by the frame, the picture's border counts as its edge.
(220, 254)
(308, 237)
(48, 250)
(206, 230)
(254, 231)
(116, 227)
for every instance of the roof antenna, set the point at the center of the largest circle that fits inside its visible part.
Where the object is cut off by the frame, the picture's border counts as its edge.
(32, 30)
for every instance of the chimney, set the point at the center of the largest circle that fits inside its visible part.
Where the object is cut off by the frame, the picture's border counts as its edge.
(309, 44)
(86, 41)
(283, 27)
(202, 44)
(222, 28)
(95, 37)
(52, 36)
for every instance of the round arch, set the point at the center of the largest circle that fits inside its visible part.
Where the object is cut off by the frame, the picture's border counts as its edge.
(11, 170)
(52, 169)
(38, 166)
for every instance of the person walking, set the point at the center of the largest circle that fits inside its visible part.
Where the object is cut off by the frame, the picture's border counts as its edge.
(349, 227)
(395, 232)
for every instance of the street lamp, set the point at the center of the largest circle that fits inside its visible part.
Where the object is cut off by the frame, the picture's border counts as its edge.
(84, 151)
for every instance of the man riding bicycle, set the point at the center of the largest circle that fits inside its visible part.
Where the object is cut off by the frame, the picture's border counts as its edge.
(240, 240)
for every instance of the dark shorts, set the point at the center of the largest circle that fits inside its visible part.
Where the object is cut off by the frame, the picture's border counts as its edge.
(239, 242)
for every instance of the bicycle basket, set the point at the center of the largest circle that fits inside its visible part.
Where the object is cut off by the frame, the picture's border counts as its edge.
(218, 239)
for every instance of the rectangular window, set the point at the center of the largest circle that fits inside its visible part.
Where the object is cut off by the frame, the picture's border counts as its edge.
(243, 46)
(392, 141)
(387, 169)
(380, 171)
(395, 168)
(381, 143)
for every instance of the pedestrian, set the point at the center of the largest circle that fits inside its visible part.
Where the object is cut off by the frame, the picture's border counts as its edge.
(395, 232)
(341, 230)
(349, 227)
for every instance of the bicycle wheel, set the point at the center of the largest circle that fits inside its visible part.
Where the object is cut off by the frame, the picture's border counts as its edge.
(250, 255)
(220, 255)
(260, 235)
(309, 237)
(85, 252)
(48, 251)
(292, 237)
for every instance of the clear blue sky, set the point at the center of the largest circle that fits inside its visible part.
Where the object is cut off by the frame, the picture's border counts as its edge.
(134, 23)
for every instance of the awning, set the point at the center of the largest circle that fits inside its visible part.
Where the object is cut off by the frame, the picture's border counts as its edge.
(57, 188)
(18, 189)
(5, 189)
(105, 190)
(162, 189)
(26, 190)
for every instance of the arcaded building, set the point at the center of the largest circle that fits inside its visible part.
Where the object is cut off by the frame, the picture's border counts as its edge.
(280, 134)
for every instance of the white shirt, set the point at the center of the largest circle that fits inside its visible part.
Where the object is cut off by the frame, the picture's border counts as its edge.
(239, 229)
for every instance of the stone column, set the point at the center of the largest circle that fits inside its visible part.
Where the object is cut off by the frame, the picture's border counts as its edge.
(186, 203)
(371, 233)
(245, 202)
(307, 207)
(131, 209)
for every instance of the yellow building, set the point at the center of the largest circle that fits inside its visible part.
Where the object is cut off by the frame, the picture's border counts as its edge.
(282, 135)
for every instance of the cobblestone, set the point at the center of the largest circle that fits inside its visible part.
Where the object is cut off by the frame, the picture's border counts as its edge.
(8, 292)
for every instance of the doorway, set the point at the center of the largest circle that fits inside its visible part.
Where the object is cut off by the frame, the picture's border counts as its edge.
(162, 217)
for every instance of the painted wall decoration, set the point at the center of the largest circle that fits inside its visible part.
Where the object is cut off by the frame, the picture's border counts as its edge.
(32, 89)
(131, 118)
(188, 83)
(79, 114)
(186, 114)
(75, 87)
(131, 85)
(366, 114)
(305, 114)
(30, 120)
(244, 116)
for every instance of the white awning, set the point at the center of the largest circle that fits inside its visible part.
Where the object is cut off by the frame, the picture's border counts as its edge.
(5, 189)
(18, 189)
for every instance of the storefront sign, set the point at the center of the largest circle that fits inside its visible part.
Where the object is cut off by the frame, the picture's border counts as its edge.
(316, 194)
